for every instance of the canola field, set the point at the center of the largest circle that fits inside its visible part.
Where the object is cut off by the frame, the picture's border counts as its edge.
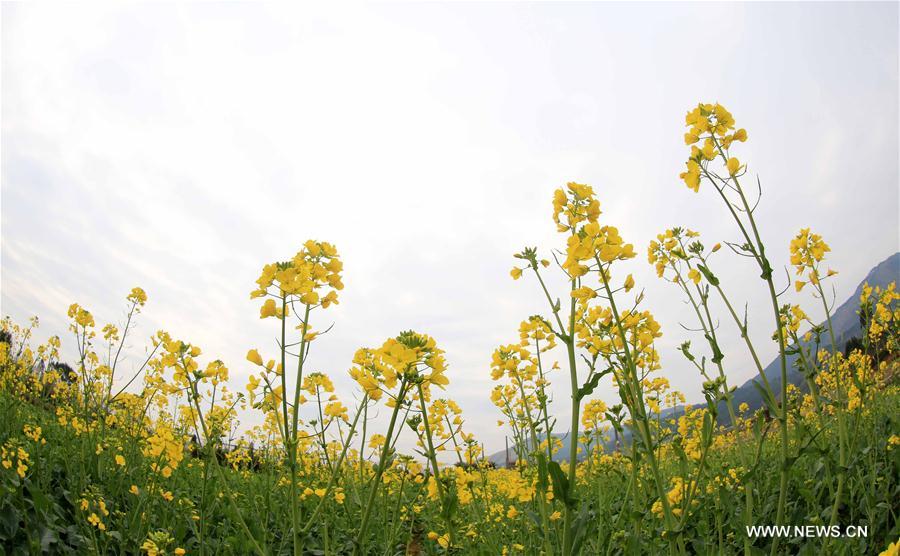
(94, 461)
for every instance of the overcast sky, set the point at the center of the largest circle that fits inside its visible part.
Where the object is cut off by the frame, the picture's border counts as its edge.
(180, 148)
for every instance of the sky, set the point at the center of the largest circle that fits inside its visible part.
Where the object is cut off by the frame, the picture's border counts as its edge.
(182, 147)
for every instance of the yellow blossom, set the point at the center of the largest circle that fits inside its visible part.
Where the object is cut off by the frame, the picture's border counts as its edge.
(253, 357)
(733, 165)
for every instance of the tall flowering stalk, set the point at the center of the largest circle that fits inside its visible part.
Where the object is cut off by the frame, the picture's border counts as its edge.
(411, 363)
(676, 253)
(681, 258)
(807, 253)
(98, 377)
(714, 127)
(615, 340)
(308, 282)
(137, 298)
(82, 326)
(523, 401)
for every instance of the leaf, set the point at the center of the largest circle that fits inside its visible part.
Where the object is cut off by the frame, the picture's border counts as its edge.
(707, 273)
(589, 386)
(450, 505)
(707, 428)
(766, 269)
(717, 353)
(9, 522)
(685, 348)
(560, 482)
(542, 472)
(39, 500)
(582, 528)
(561, 485)
(49, 537)
(768, 400)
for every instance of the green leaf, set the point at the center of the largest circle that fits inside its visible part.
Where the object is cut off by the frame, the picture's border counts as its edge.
(560, 481)
(707, 428)
(560, 484)
(49, 537)
(707, 273)
(38, 499)
(589, 386)
(542, 482)
(582, 528)
(717, 353)
(450, 505)
(9, 522)
(685, 348)
(766, 269)
(768, 399)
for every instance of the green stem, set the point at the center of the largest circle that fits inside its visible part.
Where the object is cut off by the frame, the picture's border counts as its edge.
(568, 532)
(637, 409)
(376, 481)
(292, 432)
(842, 428)
(758, 252)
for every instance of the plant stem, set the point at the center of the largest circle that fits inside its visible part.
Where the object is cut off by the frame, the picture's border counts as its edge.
(382, 463)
